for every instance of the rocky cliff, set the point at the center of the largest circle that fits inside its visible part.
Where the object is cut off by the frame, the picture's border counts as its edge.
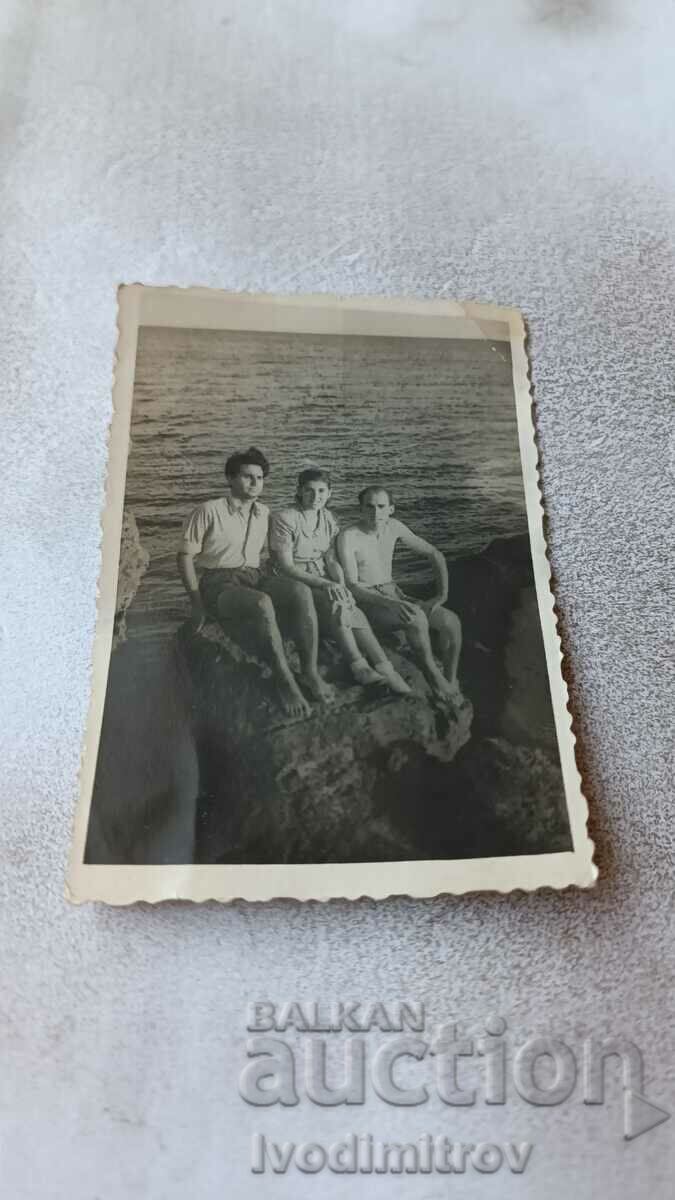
(378, 776)
(279, 790)
(503, 660)
(133, 563)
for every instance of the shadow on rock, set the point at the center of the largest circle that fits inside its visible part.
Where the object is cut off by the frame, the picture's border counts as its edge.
(278, 790)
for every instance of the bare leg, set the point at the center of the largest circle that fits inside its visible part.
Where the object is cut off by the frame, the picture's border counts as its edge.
(371, 649)
(295, 601)
(447, 629)
(418, 636)
(358, 665)
(368, 645)
(359, 646)
(298, 602)
(344, 636)
(256, 608)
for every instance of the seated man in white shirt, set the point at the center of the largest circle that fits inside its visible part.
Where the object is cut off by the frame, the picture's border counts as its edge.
(223, 538)
(366, 552)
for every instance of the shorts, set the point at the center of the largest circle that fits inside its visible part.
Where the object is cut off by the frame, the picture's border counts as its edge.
(385, 620)
(332, 615)
(215, 580)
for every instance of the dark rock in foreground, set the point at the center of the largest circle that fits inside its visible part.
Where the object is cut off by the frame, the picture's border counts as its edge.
(494, 799)
(280, 790)
(206, 750)
(503, 662)
(379, 777)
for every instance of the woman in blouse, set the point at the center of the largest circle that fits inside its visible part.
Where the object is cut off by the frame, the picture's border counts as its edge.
(302, 544)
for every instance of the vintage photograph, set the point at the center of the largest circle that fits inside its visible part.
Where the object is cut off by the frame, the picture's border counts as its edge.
(326, 659)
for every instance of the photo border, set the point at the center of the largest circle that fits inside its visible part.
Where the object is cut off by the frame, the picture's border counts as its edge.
(202, 308)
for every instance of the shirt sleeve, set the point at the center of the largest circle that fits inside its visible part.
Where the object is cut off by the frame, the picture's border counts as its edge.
(283, 532)
(333, 528)
(195, 529)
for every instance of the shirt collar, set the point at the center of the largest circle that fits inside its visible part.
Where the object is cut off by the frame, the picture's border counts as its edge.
(235, 508)
(313, 518)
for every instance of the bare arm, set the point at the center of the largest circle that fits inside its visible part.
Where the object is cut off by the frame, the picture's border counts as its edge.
(188, 575)
(333, 567)
(419, 546)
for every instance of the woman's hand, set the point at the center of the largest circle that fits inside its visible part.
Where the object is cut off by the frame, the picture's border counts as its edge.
(340, 594)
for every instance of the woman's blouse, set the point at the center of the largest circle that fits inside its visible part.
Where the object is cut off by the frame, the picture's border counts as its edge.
(309, 535)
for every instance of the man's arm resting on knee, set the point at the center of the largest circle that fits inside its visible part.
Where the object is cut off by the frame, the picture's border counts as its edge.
(419, 546)
(188, 574)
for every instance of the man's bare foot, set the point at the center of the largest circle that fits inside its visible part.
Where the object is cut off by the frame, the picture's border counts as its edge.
(456, 694)
(292, 700)
(317, 687)
(443, 692)
(448, 695)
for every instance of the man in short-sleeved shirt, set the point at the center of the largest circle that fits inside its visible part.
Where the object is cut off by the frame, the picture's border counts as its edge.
(223, 539)
(222, 534)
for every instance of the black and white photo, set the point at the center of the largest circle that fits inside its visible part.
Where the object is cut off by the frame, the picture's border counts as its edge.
(326, 660)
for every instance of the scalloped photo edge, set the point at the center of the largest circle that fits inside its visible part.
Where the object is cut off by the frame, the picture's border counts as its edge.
(204, 309)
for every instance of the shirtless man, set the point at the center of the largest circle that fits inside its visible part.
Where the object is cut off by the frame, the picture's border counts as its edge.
(366, 551)
(224, 538)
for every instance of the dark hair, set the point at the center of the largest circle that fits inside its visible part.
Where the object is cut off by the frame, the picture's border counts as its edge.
(311, 475)
(243, 458)
(375, 487)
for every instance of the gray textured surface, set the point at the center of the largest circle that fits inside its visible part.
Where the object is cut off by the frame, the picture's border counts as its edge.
(520, 153)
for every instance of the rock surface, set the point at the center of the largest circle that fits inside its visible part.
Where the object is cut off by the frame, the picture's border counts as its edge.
(212, 772)
(133, 563)
(279, 790)
(379, 776)
(503, 661)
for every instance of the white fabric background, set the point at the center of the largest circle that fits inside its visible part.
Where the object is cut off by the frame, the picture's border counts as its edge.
(519, 152)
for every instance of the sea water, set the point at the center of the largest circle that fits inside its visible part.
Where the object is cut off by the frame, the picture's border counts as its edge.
(432, 419)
